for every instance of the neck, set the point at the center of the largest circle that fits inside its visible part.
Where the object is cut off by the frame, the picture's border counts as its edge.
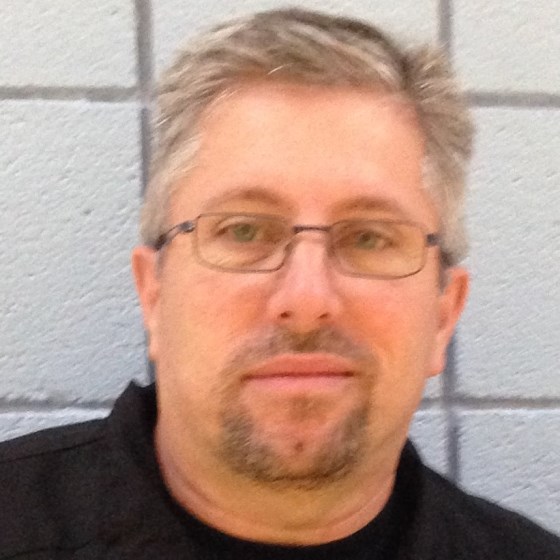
(288, 515)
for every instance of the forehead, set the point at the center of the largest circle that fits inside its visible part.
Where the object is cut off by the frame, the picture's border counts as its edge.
(307, 150)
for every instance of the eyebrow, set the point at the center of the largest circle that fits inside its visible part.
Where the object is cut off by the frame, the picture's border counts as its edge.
(257, 194)
(246, 194)
(373, 204)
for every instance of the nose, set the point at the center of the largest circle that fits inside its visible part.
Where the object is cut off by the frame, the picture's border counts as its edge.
(304, 295)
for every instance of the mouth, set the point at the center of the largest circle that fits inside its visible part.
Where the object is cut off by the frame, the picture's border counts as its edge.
(302, 372)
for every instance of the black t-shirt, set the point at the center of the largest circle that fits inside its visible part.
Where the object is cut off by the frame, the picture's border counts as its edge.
(94, 491)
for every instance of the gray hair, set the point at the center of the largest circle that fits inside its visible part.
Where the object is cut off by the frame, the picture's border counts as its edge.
(316, 49)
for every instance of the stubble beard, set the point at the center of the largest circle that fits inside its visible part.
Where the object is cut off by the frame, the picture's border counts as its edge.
(243, 444)
(248, 452)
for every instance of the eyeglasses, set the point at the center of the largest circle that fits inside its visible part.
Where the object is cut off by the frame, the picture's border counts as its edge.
(261, 243)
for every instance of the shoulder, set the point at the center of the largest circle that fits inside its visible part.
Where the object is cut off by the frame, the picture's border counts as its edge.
(48, 442)
(56, 451)
(477, 528)
(49, 478)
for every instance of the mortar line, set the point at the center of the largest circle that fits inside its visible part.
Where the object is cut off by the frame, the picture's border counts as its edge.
(463, 404)
(445, 34)
(144, 61)
(21, 405)
(517, 404)
(449, 384)
(48, 93)
(529, 100)
(431, 403)
(449, 380)
(144, 52)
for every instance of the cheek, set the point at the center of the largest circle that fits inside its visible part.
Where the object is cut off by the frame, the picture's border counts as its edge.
(400, 328)
(203, 319)
(204, 313)
(399, 323)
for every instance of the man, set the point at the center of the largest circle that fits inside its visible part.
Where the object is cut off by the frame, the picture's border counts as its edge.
(300, 282)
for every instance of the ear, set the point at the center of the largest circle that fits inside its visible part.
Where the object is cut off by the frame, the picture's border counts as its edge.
(146, 277)
(450, 306)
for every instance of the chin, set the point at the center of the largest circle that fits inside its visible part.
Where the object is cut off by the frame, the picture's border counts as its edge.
(303, 456)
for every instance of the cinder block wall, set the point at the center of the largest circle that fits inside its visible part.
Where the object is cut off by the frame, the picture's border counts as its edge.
(75, 78)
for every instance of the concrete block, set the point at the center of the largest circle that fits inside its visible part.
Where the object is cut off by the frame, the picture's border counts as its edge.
(429, 434)
(508, 47)
(509, 340)
(175, 21)
(67, 43)
(434, 387)
(69, 198)
(513, 457)
(15, 424)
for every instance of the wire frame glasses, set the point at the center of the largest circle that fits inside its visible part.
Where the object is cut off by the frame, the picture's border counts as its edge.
(262, 243)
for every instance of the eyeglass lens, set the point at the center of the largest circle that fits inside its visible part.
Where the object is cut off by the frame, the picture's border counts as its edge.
(252, 242)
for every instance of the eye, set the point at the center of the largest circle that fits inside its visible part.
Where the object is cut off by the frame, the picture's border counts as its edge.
(364, 237)
(249, 230)
(243, 232)
(370, 240)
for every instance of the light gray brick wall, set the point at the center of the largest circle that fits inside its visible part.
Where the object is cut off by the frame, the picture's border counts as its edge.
(75, 78)
(67, 43)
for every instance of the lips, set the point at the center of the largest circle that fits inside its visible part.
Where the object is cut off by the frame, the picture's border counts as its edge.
(302, 371)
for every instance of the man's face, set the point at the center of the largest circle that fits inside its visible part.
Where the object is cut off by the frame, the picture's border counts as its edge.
(302, 374)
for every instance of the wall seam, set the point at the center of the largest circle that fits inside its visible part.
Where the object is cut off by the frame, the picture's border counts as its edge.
(449, 375)
(528, 100)
(68, 410)
(145, 68)
(51, 405)
(471, 404)
(517, 404)
(144, 53)
(449, 383)
(445, 26)
(48, 93)
(524, 100)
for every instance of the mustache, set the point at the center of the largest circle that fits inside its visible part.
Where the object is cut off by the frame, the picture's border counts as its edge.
(278, 340)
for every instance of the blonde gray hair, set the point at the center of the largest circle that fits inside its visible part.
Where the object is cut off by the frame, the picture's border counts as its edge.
(316, 49)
